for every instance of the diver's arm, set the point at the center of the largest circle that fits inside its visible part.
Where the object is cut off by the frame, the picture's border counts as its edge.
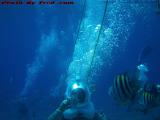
(58, 113)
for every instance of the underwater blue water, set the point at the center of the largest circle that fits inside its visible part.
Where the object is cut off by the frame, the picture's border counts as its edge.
(41, 55)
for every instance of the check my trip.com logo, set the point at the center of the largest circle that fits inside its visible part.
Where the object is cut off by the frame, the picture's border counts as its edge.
(31, 2)
(52, 2)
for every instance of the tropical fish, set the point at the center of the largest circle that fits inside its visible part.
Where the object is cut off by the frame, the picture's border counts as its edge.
(147, 99)
(124, 89)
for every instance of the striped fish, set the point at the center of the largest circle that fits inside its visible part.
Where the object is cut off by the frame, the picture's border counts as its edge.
(124, 89)
(147, 99)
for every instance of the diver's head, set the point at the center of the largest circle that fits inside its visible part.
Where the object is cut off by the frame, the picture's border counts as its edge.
(142, 68)
(79, 93)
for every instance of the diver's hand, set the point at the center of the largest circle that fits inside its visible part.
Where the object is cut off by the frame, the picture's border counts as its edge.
(58, 113)
(65, 104)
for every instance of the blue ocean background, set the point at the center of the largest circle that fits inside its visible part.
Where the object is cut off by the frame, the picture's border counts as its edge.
(43, 47)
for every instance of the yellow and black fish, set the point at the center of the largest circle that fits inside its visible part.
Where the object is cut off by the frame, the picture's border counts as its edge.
(146, 102)
(147, 99)
(124, 89)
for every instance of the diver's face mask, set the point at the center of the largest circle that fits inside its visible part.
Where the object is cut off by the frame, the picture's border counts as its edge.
(78, 96)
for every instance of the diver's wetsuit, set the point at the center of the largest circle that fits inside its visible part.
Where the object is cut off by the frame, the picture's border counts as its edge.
(80, 117)
(58, 115)
(77, 106)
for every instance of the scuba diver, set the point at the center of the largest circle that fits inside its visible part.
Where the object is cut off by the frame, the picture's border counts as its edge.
(135, 90)
(126, 85)
(142, 68)
(77, 105)
(137, 93)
